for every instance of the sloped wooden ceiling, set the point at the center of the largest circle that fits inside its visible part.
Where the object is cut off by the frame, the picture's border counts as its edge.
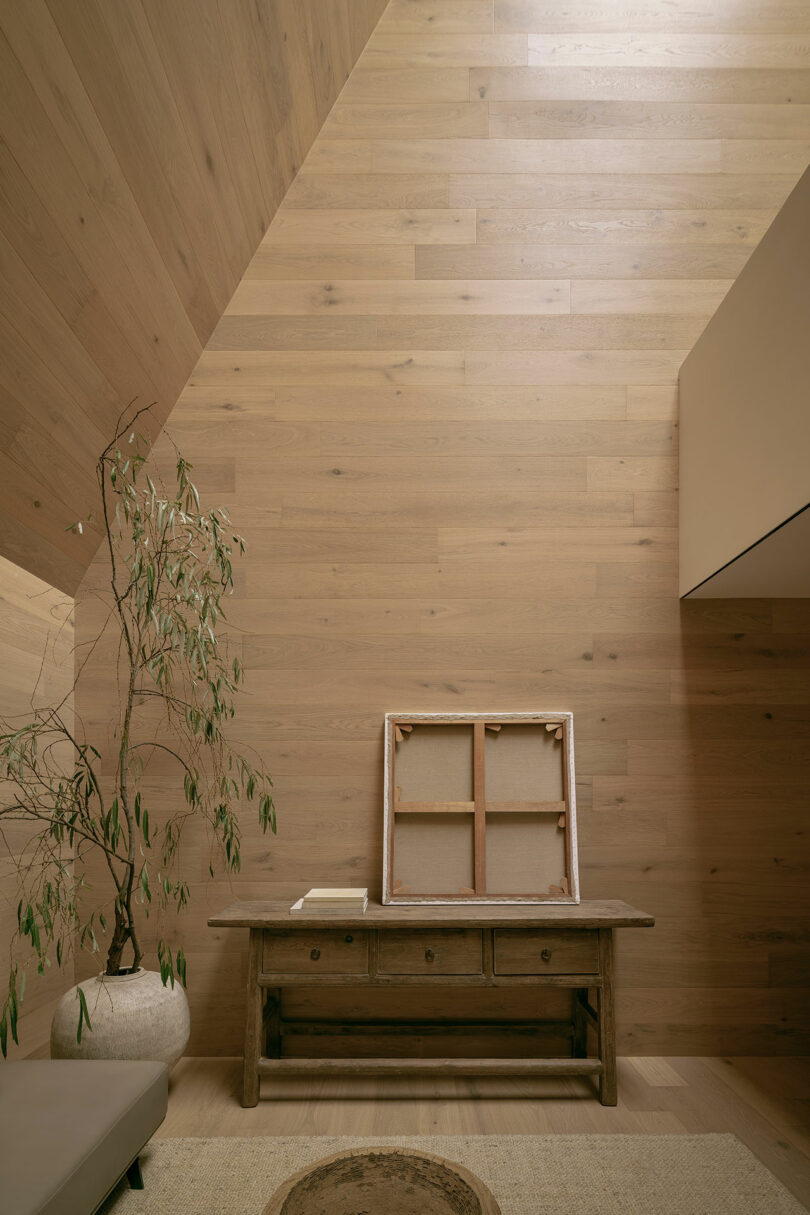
(145, 148)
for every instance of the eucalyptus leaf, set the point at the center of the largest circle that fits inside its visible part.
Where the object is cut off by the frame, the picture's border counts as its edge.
(170, 571)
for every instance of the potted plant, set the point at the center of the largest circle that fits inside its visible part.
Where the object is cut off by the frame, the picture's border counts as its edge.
(169, 565)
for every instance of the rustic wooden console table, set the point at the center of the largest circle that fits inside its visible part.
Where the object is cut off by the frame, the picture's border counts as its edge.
(465, 946)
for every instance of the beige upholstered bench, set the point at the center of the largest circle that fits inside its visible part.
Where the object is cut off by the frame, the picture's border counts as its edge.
(71, 1128)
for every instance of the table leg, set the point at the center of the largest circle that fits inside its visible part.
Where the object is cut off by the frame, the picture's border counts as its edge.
(607, 1020)
(253, 1021)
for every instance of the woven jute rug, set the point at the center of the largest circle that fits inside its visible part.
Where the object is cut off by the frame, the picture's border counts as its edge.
(527, 1174)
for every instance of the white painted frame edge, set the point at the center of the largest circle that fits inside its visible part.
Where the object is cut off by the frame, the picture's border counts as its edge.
(564, 715)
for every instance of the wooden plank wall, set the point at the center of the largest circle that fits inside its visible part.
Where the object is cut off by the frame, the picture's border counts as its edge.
(145, 148)
(36, 661)
(442, 406)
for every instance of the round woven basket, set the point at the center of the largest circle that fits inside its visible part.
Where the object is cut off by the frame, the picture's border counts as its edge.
(393, 1180)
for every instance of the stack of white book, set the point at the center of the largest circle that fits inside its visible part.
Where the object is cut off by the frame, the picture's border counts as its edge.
(331, 900)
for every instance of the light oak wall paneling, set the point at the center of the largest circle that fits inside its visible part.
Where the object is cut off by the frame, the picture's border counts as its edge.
(263, 297)
(664, 50)
(575, 261)
(388, 85)
(213, 404)
(500, 333)
(478, 508)
(312, 261)
(513, 226)
(445, 50)
(466, 119)
(497, 437)
(559, 156)
(368, 227)
(672, 83)
(618, 120)
(381, 190)
(739, 16)
(145, 149)
(36, 658)
(310, 190)
(603, 190)
(438, 17)
(649, 296)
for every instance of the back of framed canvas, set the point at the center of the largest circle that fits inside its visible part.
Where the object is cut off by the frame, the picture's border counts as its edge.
(480, 808)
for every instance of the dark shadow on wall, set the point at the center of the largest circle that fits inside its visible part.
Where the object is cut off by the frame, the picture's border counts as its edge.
(736, 781)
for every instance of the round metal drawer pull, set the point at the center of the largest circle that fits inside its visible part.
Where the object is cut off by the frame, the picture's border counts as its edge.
(349, 938)
(314, 954)
(545, 954)
(430, 955)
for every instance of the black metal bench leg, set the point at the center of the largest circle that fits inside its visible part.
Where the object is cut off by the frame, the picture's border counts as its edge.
(134, 1175)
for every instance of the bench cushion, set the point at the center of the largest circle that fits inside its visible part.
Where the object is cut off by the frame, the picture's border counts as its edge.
(69, 1128)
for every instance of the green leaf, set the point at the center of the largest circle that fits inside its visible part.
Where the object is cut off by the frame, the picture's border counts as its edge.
(174, 563)
(12, 1015)
(84, 1016)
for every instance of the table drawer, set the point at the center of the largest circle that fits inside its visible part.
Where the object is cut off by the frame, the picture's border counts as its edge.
(546, 951)
(442, 951)
(316, 951)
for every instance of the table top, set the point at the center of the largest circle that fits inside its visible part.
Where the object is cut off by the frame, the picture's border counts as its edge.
(601, 913)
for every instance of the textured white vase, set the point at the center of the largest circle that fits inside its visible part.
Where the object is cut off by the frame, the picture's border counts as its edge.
(132, 1016)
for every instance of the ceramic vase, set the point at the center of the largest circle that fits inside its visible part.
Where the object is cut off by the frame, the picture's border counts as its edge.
(132, 1016)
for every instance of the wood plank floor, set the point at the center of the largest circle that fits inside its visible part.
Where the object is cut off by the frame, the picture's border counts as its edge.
(763, 1102)
(442, 407)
